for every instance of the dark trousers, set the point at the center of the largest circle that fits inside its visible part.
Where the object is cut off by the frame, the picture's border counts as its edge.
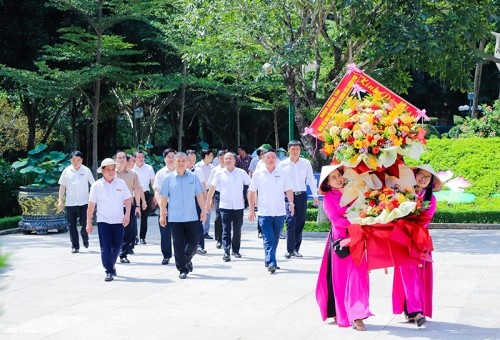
(295, 223)
(72, 214)
(201, 233)
(128, 233)
(110, 240)
(144, 215)
(185, 236)
(218, 219)
(231, 218)
(165, 240)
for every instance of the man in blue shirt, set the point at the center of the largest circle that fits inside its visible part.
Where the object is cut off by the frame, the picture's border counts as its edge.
(178, 190)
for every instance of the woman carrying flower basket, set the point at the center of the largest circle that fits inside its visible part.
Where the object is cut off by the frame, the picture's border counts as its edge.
(412, 285)
(350, 281)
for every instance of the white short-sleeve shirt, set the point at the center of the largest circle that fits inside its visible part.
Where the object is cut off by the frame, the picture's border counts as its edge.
(160, 177)
(109, 199)
(77, 185)
(146, 175)
(301, 174)
(270, 188)
(230, 186)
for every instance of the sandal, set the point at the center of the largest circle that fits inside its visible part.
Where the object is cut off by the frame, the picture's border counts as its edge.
(359, 325)
(420, 320)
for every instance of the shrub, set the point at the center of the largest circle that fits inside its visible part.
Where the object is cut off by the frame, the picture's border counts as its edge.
(9, 222)
(10, 181)
(476, 159)
(46, 167)
(486, 126)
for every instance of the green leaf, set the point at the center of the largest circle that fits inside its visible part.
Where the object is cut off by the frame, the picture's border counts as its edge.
(20, 163)
(39, 148)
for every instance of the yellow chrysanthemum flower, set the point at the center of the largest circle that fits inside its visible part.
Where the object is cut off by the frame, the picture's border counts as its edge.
(357, 144)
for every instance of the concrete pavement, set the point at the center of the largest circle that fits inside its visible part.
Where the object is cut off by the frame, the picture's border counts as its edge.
(48, 293)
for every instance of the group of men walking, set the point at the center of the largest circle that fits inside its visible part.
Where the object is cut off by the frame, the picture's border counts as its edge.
(186, 192)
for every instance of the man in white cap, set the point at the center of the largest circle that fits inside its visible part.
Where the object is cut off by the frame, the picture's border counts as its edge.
(110, 195)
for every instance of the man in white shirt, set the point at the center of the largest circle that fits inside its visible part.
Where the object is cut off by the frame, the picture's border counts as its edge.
(191, 161)
(146, 178)
(216, 200)
(300, 172)
(74, 182)
(110, 195)
(207, 156)
(229, 182)
(165, 231)
(267, 187)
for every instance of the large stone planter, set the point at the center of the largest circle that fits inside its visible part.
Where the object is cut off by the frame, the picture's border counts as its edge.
(39, 210)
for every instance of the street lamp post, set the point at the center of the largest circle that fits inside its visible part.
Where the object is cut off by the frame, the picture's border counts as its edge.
(470, 96)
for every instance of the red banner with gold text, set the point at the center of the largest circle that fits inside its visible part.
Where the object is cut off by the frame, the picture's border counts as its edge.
(343, 90)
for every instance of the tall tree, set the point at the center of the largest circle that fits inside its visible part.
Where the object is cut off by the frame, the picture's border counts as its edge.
(91, 53)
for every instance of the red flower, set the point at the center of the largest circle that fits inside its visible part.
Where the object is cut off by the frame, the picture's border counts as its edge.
(372, 203)
(374, 107)
(348, 125)
(390, 206)
(350, 139)
(375, 150)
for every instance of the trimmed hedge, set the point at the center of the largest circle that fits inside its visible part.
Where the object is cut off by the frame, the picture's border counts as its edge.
(9, 222)
(476, 159)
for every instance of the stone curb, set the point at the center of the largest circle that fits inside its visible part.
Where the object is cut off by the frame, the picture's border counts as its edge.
(320, 234)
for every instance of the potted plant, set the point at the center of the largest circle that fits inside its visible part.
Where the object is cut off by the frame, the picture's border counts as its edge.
(38, 199)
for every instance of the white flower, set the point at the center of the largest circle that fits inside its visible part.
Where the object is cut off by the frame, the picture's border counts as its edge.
(345, 133)
(366, 127)
(357, 134)
(334, 130)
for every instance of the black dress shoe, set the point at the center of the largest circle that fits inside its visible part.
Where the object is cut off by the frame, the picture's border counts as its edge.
(218, 245)
(136, 241)
(282, 236)
(288, 255)
(124, 260)
(237, 255)
(226, 257)
(131, 252)
(271, 269)
(208, 237)
(114, 271)
(259, 235)
(86, 243)
(189, 266)
(201, 251)
(165, 261)
(109, 277)
(297, 254)
(74, 250)
(143, 241)
(182, 276)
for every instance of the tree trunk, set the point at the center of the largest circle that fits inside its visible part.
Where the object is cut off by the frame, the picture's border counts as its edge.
(30, 110)
(54, 120)
(238, 110)
(275, 124)
(477, 81)
(289, 75)
(74, 134)
(181, 113)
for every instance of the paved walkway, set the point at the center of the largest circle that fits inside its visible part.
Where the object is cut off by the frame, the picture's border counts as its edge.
(49, 293)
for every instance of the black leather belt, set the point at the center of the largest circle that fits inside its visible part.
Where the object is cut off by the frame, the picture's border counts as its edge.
(298, 193)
